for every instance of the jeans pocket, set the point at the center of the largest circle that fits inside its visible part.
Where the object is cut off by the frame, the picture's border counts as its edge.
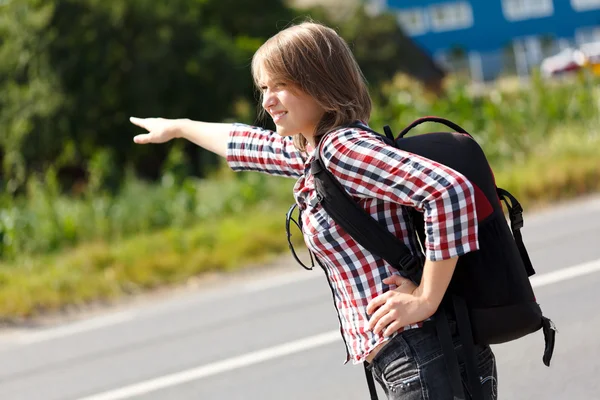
(404, 387)
(399, 374)
(488, 373)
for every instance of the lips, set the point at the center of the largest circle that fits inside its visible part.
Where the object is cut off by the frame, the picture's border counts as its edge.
(278, 115)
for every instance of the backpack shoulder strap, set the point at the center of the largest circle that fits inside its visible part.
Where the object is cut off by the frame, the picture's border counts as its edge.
(363, 228)
(515, 213)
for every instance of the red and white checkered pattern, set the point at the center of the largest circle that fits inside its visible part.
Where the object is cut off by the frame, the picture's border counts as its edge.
(382, 179)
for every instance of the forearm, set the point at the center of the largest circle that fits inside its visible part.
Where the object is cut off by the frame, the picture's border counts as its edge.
(435, 280)
(212, 136)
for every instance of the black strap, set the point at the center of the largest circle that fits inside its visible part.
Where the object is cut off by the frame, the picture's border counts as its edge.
(370, 382)
(439, 120)
(515, 213)
(360, 225)
(466, 338)
(549, 337)
(450, 358)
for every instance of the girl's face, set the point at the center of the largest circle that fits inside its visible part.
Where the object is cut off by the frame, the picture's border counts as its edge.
(292, 110)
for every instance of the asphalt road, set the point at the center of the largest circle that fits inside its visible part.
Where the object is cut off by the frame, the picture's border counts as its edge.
(273, 334)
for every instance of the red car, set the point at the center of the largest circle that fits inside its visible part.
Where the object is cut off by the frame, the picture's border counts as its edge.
(566, 61)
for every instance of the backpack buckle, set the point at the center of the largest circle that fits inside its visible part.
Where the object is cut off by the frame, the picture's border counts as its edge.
(315, 200)
(410, 266)
(516, 217)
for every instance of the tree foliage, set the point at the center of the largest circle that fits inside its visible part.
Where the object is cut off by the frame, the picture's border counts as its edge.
(73, 71)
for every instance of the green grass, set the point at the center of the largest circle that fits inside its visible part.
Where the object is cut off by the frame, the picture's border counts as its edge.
(58, 252)
(102, 271)
(565, 166)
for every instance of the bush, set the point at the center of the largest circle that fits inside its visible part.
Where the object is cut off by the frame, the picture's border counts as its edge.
(513, 127)
(510, 125)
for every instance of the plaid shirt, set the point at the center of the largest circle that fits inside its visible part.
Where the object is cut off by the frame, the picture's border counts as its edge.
(382, 179)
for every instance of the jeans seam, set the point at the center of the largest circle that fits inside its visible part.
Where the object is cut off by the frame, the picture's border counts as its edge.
(410, 379)
(424, 393)
(493, 380)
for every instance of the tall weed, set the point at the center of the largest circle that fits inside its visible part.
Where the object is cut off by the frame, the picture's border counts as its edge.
(511, 123)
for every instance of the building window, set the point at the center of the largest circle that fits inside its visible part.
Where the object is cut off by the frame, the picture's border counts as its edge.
(518, 10)
(451, 16)
(375, 7)
(412, 21)
(588, 34)
(585, 5)
(528, 52)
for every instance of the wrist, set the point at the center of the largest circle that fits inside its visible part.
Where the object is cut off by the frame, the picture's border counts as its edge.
(181, 128)
(428, 301)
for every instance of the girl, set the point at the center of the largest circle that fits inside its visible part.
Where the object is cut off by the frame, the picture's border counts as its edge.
(313, 89)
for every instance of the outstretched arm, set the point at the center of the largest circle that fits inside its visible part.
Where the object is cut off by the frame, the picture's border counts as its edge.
(246, 148)
(212, 136)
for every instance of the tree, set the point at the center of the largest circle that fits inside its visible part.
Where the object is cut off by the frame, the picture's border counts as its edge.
(73, 71)
(30, 88)
(88, 65)
(381, 47)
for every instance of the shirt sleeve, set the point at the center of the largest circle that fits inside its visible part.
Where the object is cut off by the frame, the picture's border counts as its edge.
(368, 168)
(252, 148)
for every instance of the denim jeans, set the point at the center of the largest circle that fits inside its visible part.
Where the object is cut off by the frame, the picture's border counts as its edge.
(411, 366)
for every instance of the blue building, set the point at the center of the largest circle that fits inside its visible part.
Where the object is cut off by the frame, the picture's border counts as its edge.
(491, 37)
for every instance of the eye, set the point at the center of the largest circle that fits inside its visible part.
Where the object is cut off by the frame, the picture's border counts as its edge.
(275, 87)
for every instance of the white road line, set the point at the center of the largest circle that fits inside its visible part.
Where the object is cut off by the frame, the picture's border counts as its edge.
(565, 274)
(292, 347)
(263, 284)
(220, 366)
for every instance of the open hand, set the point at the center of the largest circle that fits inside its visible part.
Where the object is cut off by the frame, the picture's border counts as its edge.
(398, 307)
(160, 130)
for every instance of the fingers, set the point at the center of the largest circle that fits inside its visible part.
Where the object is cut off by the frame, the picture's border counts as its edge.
(388, 321)
(143, 139)
(380, 319)
(384, 308)
(146, 124)
(383, 322)
(393, 327)
(141, 122)
(377, 302)
(403, 285)
(396, 280)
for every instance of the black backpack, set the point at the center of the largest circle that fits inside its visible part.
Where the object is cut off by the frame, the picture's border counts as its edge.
(490, 296)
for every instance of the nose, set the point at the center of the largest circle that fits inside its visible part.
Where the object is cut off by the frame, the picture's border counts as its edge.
(269, 99)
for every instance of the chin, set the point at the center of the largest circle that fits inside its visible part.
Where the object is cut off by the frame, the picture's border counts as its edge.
(284, 132)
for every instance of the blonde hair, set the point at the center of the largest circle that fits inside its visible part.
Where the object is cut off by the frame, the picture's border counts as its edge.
(319, 62)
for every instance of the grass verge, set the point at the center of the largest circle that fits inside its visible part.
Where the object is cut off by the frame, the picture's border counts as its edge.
(567, 166)
(100, 272)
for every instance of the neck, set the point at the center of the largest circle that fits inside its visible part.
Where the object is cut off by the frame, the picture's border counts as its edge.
(311, 140)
